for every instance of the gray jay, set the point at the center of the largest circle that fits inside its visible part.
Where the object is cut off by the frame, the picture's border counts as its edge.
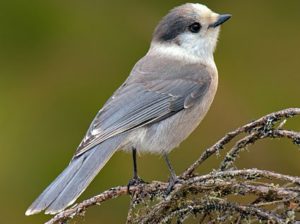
(165, 97)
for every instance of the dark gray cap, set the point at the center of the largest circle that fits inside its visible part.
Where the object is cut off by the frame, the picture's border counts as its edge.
(181, 18)
(175, 22)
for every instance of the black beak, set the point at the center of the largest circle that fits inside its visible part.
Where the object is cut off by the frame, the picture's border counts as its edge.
(221, 19)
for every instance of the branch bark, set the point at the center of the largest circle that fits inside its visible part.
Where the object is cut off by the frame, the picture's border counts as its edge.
(206, 197)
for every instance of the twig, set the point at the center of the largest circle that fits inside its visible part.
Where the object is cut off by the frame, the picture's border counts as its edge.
(264, 121)
(251, 139)
(115, 192)
(220, 205)
(216, 180)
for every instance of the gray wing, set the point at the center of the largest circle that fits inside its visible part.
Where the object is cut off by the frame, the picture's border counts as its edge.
(151, 93)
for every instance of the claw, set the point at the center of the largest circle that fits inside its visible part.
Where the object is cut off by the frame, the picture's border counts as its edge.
(173, 181)
(134, 182)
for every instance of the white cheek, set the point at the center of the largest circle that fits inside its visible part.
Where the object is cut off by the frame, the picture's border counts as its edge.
(212, 36)
(201, 44)
(189, 40)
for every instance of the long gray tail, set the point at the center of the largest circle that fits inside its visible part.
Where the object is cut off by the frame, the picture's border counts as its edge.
(68, 186)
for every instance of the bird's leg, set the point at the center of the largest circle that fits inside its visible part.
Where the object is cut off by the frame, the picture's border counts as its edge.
(135, 176)
(136, 179)
(173, 178)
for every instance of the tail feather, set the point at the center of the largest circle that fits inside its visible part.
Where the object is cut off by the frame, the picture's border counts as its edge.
(68, 186)
(54, 189)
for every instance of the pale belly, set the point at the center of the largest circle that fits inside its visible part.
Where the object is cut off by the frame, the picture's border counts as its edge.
(169, 133)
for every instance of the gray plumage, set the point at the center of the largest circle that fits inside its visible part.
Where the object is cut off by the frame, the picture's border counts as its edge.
(166, 95)
(154, 91)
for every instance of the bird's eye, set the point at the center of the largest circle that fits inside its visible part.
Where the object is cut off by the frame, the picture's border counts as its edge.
(195, 27)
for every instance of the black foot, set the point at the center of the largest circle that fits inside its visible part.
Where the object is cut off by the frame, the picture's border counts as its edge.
(134, 182)
(172, 182)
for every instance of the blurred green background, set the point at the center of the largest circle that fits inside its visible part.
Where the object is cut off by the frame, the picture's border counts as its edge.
(60, 61)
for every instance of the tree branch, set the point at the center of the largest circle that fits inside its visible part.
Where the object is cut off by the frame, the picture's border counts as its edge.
(263, 124)
(215, 197)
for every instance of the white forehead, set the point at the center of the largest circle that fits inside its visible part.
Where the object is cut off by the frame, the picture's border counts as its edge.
(202, 10)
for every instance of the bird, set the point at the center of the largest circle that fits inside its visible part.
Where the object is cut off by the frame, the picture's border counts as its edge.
(165, 97)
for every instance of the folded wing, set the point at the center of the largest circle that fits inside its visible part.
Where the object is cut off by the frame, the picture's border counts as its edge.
(149, 95)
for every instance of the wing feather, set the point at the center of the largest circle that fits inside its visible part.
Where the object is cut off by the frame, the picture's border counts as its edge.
(146, 99)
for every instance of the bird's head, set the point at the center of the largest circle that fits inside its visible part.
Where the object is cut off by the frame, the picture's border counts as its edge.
(191, 27)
